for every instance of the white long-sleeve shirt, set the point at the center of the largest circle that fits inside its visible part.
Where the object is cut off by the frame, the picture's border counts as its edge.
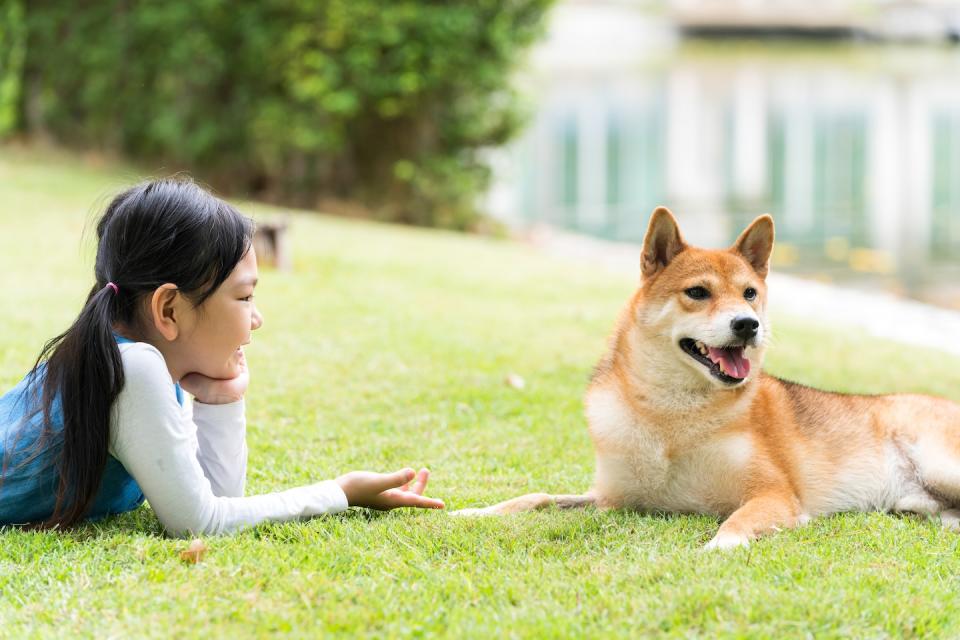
(191, 463)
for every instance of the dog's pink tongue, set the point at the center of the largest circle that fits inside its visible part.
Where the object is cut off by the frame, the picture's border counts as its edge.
(735, 365)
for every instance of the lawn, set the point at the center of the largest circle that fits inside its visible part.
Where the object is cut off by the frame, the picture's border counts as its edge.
(389, 346)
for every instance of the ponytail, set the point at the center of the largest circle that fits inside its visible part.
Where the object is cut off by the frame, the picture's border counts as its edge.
(83, 370)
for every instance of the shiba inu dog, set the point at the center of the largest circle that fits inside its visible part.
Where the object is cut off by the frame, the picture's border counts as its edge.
(683, 419)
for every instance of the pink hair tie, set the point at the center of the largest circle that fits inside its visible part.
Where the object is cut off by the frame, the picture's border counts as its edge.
(115, 288)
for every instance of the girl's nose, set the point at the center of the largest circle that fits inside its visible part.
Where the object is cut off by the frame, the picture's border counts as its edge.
(256, 320)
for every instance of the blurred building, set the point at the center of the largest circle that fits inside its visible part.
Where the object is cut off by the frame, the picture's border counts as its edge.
(884, 19)
(855, 148)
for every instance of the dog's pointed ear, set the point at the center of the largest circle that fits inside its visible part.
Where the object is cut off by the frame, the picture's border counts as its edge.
(756, 244)
(661, 244)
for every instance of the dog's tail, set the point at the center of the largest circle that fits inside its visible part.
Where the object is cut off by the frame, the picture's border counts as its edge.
(531, 502)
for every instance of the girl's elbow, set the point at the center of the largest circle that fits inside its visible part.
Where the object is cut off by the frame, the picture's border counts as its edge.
(191, 527)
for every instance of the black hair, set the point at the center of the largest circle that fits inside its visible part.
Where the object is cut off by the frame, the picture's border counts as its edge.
(161, 231)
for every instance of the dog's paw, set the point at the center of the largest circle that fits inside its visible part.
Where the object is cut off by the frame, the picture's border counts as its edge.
(724, 541)
(950, 519)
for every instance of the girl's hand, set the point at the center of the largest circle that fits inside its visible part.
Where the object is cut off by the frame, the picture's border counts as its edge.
(387, 491)
(215, 390)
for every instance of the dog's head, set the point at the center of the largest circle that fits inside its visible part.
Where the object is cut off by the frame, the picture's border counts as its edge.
(703, 312)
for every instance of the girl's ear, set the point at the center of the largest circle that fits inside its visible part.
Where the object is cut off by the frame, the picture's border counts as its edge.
(165, 312)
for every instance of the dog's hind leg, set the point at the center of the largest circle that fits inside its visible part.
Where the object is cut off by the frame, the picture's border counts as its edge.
(950, 519)
(530, 502)
(930, 440)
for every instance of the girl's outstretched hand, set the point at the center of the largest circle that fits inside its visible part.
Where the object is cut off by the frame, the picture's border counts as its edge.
(216, 390)
(387, 491)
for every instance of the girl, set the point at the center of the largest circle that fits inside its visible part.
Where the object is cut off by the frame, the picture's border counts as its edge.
(99, 424)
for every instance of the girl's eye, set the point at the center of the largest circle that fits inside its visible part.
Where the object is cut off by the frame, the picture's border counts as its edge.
(750, 293)
(247, 299)
(697, 293)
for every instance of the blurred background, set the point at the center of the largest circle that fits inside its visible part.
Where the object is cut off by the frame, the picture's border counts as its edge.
(841, 118)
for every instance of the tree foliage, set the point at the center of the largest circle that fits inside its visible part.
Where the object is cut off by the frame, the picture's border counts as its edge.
(385, 102)
(12, 47)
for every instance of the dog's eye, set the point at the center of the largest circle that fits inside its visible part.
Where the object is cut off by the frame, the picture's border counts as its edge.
(697, 293)
(750, 293)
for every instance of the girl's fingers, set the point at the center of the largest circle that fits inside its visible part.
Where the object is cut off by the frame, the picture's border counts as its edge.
(395, 498)
(429, 503)
(393, 480)
(424, 502)
(409, 499)
(419, 484)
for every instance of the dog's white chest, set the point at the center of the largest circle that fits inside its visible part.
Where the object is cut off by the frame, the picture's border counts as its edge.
(637, 467)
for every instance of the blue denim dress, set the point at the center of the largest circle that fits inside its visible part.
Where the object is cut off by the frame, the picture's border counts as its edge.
(28, 485)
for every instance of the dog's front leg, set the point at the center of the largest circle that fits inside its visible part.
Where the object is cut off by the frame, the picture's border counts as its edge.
(758, 515)
(531, 502)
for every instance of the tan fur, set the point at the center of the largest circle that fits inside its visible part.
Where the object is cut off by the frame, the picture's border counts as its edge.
(764, 453)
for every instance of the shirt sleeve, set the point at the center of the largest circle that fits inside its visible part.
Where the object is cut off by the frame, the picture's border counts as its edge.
(222, 438)
(157, 443)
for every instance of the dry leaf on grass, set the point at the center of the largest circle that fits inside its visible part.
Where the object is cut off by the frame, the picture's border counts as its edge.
(194, 551)
(516, 381)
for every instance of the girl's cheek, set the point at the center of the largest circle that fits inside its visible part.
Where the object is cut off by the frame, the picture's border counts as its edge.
(228, 371)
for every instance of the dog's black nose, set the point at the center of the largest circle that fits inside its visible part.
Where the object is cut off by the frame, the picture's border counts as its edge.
(744, 327)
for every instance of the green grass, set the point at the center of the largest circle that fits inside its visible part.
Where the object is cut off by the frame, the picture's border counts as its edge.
(389, 346)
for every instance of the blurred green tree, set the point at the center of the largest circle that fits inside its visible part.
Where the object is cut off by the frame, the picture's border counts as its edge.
(12, 47)
(386, 103)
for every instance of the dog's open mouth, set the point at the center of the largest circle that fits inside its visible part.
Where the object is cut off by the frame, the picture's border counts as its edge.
(725, 363)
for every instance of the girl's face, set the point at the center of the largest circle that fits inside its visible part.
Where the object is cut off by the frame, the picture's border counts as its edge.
(212, 339)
